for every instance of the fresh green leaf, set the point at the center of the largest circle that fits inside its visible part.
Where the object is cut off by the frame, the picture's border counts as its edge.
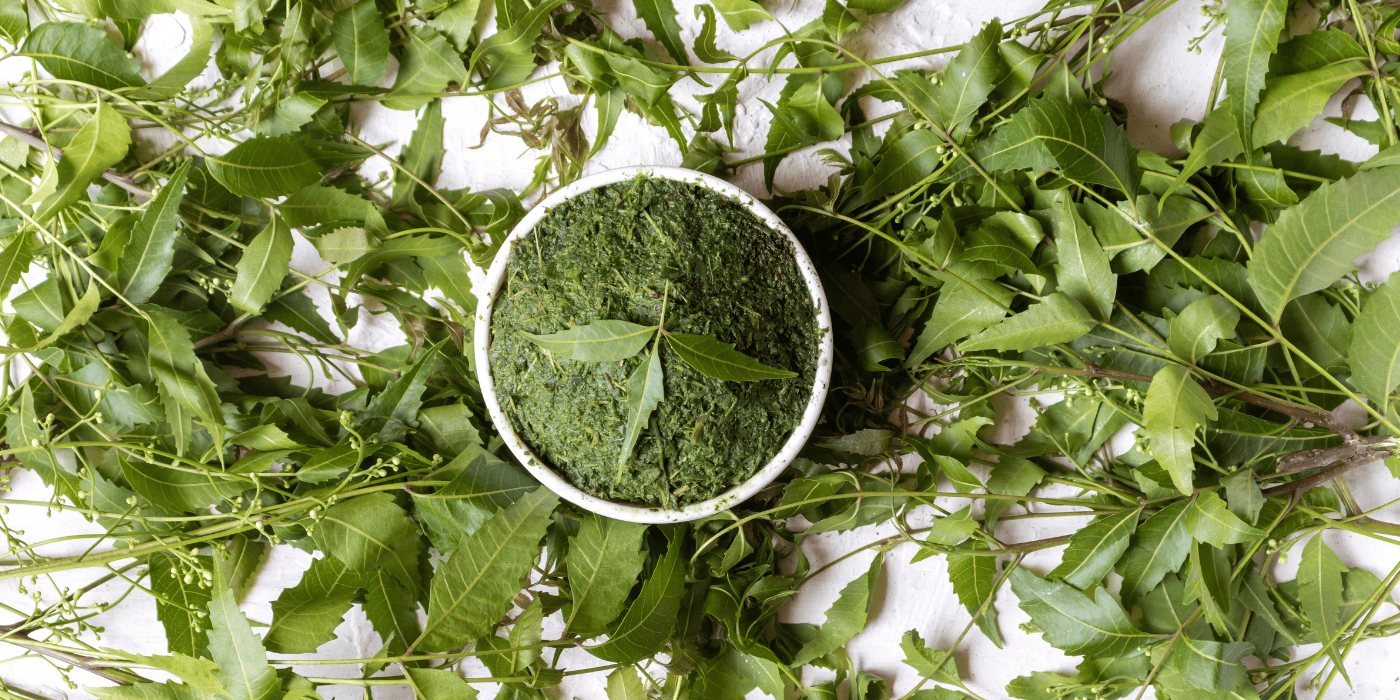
(1072, 621)
(651, 617)
(473, 588)
(266, 167)
(509, 54)
(178, 604)
(371, 531)
(429, 64)
(81, 53)
(844, 619)
(243, 668)
(660, 18)
(1084, 144)
(599, 341)
(1201, 325)
(739, 14)
(1094, 550)
(604, 560)
(929, 663)
(98, 145)
(712, 358)
(1374, 354)
(1320, 593)
(1160, 547)
(1056, 319)
(625, 684)
(645, 390)
(421, 157)
(305, 616)
(1251, 36)
(704, 45)
(314, 205)
(146, 259)
(361, 42)
(1174, 408)
(1314, 243)
(260, 271)
(1210, 521)
(968, 79)
(974, 581)
(1082, 267)
(436, 683)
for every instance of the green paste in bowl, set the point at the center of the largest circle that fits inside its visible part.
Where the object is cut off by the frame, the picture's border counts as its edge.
(611, 254)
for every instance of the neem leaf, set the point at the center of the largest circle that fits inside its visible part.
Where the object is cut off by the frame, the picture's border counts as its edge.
(660, 18)
(392, 611)
(421, 157)
(460, 21)
(1174, 407)
(179, 374)
(361, 42)
(1374, 354)
(704, 45)
(1084, 143)
(1072, 621)
(178, 603)
(1202, 324)
(963, 308)
(265, 166)
(652, 616)
(1094, 550)
(15, 258)
(844, 619)
(297, 311)
(305, 616)
(1081, 269)
(1320, 592)
(317, 204)
(146, 259)
(509, 53)
(242, 660)
(876, 7)
(429, 64)
(969, 79)
(1209, 665)
(934, 664)
(369, 531)
(604, 560)
(599, 341)
(97, 146)
(1218, 140)
(1314, 242)
(82, 53)
(626, 684)
(473, 589)
(264, 263)
(739, 14)
(1160, 547)
(1056, 319)
(1251, 36)
(645, 390)
(708, 356)
(906, 162)
(974, 581)
(1210, 521)
(438, 683)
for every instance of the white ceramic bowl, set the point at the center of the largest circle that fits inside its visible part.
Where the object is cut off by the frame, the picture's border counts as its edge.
(495, 280)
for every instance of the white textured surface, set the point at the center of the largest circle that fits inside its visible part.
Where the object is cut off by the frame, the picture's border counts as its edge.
(1153, 75)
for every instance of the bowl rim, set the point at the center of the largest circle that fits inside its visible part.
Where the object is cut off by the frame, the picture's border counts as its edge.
(494, 281)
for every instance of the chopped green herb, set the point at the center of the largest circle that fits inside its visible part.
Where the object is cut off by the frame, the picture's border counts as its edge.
(567, 349)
